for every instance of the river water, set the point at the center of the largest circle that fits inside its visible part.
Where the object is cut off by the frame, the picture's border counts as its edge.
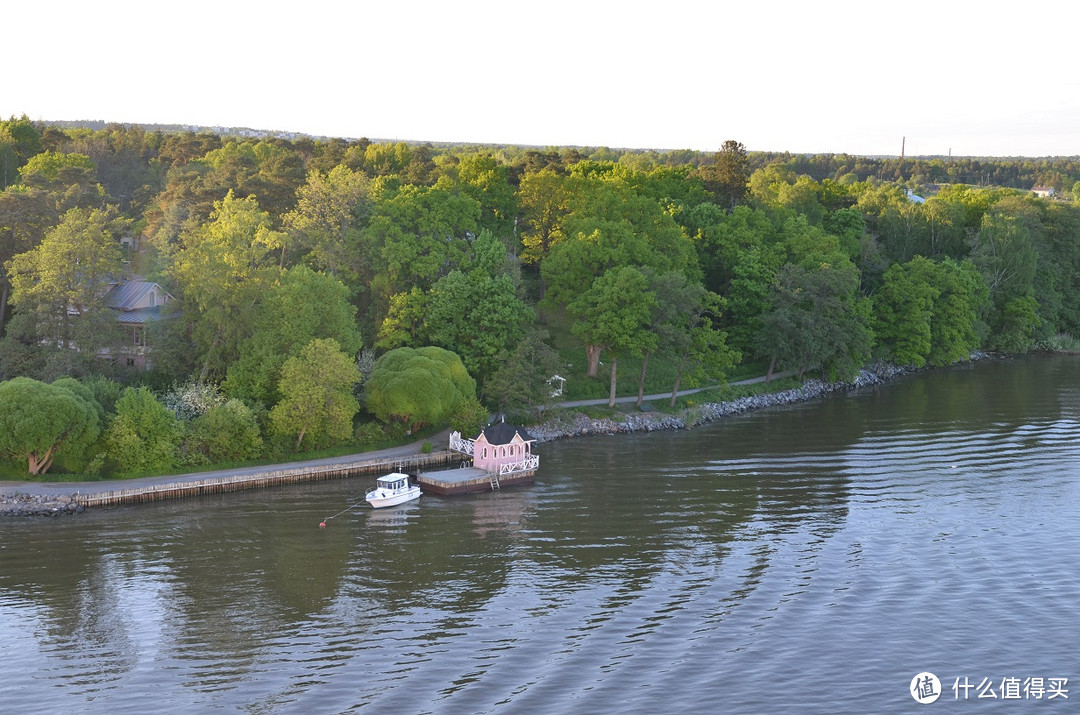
(813, 558)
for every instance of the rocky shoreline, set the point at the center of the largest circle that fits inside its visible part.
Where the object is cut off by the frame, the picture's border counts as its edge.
(17, 504)
(565, 426)
(579, 425)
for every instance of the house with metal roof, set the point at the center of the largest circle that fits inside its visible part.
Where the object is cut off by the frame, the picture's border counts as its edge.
(137, 302)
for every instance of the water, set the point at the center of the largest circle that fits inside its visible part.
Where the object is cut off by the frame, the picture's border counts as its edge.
(811, 559)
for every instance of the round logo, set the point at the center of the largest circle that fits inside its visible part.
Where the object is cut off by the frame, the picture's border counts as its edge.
(925, 688)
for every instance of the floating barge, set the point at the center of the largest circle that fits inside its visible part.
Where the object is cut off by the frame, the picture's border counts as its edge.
(501, 455)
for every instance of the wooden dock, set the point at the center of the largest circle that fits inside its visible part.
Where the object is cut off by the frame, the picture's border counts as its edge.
(468, 480)
(186, 486)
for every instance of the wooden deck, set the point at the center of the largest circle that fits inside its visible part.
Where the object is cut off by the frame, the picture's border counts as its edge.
(185, 486)
(466, 480)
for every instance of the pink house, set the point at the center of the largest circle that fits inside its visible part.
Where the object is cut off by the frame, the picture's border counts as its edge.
(502, 448)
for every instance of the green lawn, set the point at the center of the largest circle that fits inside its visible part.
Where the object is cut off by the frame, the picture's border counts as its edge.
(660, 377)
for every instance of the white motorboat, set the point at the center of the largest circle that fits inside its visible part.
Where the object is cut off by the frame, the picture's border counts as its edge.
(392, 489)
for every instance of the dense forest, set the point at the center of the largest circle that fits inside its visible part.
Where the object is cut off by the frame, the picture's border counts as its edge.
(333, 292)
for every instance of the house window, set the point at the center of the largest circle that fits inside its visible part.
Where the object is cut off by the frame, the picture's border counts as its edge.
(131, 362)
(138, 334)
(153, 299)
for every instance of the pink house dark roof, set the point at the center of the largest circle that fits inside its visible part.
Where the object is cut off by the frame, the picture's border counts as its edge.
(502, 433)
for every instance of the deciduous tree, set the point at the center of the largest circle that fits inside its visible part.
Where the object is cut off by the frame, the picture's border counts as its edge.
(416, 387)
(60, 283)
(143, 435)
(37, 420)
(317, 394)
(303, 306)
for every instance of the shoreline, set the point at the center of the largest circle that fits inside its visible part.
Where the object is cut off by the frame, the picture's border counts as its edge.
(579, 425)
(16, 503)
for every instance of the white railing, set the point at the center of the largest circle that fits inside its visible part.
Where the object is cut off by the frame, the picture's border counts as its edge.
(530, 462)
(458, 444)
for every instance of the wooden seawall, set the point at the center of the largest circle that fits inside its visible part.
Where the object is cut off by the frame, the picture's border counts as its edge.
(184, 486)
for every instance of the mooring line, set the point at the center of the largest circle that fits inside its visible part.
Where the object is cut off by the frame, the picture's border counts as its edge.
(322, 524)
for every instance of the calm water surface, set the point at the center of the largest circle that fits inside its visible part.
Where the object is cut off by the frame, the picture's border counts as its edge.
(808, 559)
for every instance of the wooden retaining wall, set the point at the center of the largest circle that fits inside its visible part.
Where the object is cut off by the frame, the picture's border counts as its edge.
(192, 487)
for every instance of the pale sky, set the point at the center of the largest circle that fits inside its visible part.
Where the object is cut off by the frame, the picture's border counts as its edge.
(975, 77)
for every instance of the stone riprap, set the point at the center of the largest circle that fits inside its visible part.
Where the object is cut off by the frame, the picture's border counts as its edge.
(16, 504)
(579, 425)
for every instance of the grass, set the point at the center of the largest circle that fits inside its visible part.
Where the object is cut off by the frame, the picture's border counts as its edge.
(16, 471)
(1061, 343)
(659, 379)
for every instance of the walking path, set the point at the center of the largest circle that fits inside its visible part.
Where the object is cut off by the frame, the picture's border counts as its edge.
(51, 489)
(57, 489)
(667, 395)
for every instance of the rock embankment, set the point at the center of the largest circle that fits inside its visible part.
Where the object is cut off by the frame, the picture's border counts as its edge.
(579, 425)
(38, 505)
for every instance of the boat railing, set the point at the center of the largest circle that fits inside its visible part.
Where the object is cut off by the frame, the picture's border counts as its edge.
(529, 463)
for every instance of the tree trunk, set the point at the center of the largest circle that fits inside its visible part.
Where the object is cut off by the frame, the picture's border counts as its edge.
(772, 366)
(611, 395)
(3, 306)
(641, 382)
(675, 389)
(205, 372)
(40, 466)
(303, 430)
(592, 354)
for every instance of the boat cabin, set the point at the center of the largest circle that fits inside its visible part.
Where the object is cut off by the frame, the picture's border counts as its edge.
(393, 481)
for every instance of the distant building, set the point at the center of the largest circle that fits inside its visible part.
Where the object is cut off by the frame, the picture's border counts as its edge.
(1046, 192)
(137, 302)
(915, 198)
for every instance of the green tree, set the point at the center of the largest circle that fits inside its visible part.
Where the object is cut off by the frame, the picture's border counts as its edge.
(544, 200)
(317, 394)
(817, 320)
(478, 316)
(698, 348)
(19, 140)
(143, 436)
(225, 432)
(60, 283)
(415, 236)
(302, 307)
(613, 314)
(423, 386)
(329, 210)
(613, 227)
(37, 420)
(26, 216)
(403, 325)
(728, 176)
(521, 380)
(954, 329)
(487, 181)
(223, 269)
(905, 310)
(1019, 321)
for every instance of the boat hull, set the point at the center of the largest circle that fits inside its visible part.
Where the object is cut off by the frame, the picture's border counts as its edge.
(382, 498)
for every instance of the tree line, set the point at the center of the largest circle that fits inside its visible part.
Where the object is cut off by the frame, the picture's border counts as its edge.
(329, 292)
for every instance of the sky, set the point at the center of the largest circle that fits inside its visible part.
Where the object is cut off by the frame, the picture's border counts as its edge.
(865, 77)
